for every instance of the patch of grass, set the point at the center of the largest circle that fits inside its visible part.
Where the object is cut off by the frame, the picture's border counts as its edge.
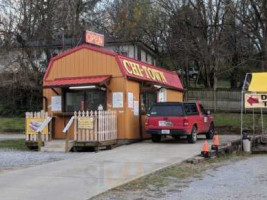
(18, 144)
(233, 119)
(15, 124)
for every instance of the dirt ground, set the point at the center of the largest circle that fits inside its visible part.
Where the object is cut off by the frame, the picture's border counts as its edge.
(230, 177)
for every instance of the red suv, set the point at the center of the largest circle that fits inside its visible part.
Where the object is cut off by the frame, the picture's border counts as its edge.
(179, 119)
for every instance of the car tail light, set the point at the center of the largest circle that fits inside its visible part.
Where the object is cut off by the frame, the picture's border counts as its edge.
(185, 122)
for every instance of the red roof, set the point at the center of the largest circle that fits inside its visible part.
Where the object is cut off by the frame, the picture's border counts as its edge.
(77, 81)
(146, 72)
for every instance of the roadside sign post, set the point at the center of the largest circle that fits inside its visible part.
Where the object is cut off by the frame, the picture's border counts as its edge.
(254, 96)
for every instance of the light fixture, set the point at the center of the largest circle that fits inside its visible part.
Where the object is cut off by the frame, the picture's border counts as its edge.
(82, 87)
(157, 86)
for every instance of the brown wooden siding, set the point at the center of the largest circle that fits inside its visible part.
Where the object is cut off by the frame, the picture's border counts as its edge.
(84, 62)
(174, 96)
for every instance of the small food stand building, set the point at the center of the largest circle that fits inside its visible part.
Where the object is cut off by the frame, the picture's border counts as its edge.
(90, 78)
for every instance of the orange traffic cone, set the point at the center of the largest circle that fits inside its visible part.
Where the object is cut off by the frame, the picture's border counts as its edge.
(205, 149)
(215, 143)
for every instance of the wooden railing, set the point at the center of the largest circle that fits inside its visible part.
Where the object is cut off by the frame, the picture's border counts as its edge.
(95, 126)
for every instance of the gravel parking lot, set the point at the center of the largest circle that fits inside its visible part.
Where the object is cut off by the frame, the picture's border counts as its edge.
(241, 178)
(10, 159)
(246, 180)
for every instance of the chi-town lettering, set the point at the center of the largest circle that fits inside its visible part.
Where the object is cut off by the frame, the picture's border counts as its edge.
(143, 71)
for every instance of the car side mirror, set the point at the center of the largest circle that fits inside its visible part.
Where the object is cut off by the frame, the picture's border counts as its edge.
(208, 112)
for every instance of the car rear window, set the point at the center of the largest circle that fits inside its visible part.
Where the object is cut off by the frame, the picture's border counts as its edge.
(167, 110)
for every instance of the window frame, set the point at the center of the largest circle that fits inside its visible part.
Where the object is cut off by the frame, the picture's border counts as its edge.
(85, 97)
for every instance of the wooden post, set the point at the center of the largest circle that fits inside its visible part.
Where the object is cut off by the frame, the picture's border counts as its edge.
(67, 142)
(39, 141)
(50, 130)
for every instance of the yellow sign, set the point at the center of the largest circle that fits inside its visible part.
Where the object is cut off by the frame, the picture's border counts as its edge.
(255, 100)
(258, 82)
(32, 124)
(85, 123)
(144, 72)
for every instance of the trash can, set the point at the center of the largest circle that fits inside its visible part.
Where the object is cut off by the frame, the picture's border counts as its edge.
(246, 142)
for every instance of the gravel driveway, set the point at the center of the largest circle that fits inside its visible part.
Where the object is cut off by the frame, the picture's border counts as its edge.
(246, 180)
(10, 159)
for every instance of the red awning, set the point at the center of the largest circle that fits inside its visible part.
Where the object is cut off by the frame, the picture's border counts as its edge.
(77, 81)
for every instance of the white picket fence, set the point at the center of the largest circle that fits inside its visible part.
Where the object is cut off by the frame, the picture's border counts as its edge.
(36, 115)
(104, 126)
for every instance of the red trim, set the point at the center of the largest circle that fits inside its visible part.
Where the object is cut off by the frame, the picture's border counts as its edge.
(75, 81)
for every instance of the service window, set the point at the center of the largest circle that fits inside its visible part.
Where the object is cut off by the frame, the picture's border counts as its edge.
(94, 99)
(147, 100)
(73, 100)
(84, 100)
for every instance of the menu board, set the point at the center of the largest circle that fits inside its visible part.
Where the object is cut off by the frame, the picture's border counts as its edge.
(162, 95)
(130, 100)
(56, 104)
(136, 108)
(117, 100)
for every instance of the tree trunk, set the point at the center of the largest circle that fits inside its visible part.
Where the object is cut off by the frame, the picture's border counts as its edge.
(234, 77)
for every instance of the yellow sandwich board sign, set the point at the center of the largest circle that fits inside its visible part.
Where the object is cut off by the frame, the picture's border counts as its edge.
(32, 124)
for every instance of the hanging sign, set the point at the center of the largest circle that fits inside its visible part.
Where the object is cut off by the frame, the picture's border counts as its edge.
(85, 123)
(94, 38)
(255, 100)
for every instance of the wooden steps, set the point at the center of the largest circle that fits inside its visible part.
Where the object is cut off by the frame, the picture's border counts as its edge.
(56, 146)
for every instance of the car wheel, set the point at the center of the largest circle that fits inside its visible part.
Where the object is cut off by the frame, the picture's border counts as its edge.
(192, 138)
(176, 137)
(210, 133)
(156, 138)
